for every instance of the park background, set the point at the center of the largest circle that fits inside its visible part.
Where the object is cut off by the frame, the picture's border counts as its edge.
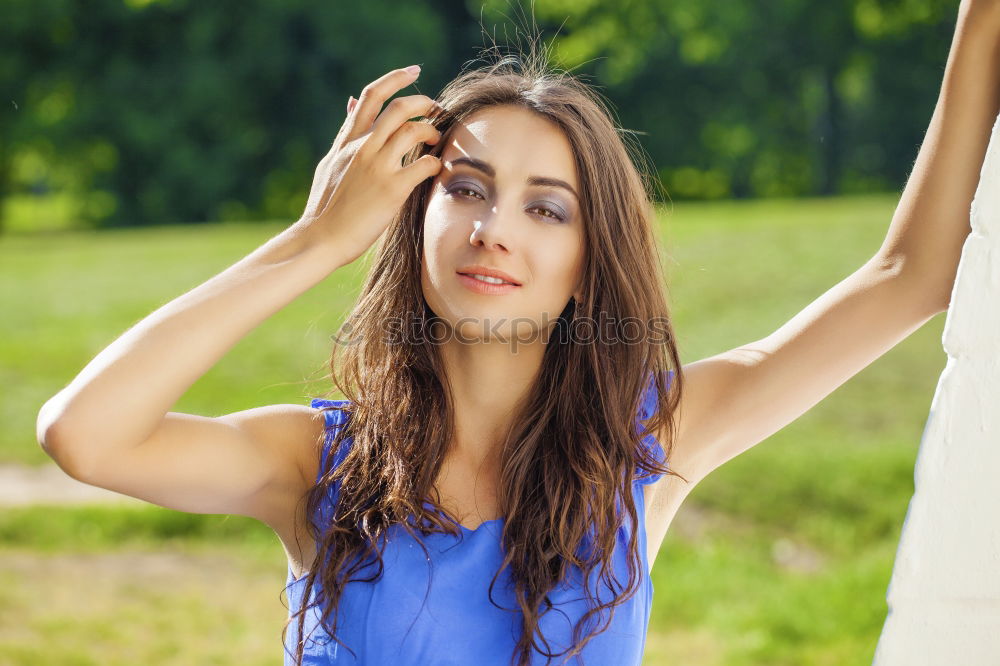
(145, 146)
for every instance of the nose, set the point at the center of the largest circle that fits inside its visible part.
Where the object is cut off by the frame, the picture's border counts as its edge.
(491, 232)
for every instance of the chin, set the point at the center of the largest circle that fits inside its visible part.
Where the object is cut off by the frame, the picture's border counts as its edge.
(471, 326)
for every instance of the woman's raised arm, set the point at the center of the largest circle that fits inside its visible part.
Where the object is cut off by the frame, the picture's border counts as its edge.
(740, 397)
(931, 221)
(111, 426)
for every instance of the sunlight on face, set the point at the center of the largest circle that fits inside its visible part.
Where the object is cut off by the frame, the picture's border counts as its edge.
(505, 198)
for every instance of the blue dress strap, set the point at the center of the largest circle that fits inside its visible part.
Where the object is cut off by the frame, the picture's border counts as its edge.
(646, 410)
(335, 416)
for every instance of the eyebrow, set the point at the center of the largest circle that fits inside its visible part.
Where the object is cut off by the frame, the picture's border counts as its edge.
(486, 168)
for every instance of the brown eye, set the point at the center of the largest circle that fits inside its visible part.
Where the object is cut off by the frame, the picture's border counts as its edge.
(458, 189)
(551, 213)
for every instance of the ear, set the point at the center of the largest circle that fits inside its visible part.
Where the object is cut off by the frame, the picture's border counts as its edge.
(578, 290)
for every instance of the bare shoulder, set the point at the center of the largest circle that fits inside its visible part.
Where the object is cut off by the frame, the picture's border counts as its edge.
(696, 424)
(293, 434)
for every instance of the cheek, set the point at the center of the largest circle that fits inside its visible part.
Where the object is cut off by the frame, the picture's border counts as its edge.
(439, 250)
(437, 225)
(436, 245)
(561, 264)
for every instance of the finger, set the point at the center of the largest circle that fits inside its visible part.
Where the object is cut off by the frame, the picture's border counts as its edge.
(426, 166)
(351, 103)
(374, 95)
(399, 111)
(404, 138)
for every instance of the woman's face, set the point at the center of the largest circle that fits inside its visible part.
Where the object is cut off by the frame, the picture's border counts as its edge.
(497, 203)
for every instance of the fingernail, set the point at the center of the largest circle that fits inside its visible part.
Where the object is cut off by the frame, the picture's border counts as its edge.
(413, 69)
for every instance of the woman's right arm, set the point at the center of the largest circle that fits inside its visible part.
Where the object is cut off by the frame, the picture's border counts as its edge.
(111, 426)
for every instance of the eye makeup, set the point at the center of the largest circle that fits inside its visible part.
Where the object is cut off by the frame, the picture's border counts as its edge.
(488, 169)
(465, 190)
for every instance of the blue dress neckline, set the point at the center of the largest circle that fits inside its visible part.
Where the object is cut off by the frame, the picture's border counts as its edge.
(463, 528)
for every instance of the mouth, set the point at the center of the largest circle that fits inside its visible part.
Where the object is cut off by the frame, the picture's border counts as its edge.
(488, 274)
(484, 284)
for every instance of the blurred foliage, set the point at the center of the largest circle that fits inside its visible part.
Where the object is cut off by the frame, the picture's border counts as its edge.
(151, 112)
(137, 112)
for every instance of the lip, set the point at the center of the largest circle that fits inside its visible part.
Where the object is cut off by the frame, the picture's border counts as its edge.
(489, 272)
(481, 287)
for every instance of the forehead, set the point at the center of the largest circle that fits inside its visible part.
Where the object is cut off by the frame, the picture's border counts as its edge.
(516, 142)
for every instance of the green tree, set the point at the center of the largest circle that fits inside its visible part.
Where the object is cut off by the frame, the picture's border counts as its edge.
(186, 111)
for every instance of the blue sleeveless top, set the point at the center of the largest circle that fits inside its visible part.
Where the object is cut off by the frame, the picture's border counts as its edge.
(440, 613)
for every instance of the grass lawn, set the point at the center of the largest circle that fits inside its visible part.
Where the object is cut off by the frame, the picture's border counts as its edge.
(782, 556)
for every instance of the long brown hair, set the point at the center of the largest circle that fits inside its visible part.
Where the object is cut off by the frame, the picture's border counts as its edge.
(572, 451)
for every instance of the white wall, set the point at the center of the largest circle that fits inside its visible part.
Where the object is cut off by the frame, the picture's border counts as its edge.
(944, 595)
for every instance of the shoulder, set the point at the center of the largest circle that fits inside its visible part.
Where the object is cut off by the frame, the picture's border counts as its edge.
(294, 431)
(298, 432)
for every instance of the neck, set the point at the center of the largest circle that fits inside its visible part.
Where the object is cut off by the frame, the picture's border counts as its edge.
(487, 379)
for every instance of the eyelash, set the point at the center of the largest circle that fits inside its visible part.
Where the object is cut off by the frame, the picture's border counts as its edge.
(555, 216)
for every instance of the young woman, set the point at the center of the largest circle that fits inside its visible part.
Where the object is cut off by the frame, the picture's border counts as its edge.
(495, 485)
